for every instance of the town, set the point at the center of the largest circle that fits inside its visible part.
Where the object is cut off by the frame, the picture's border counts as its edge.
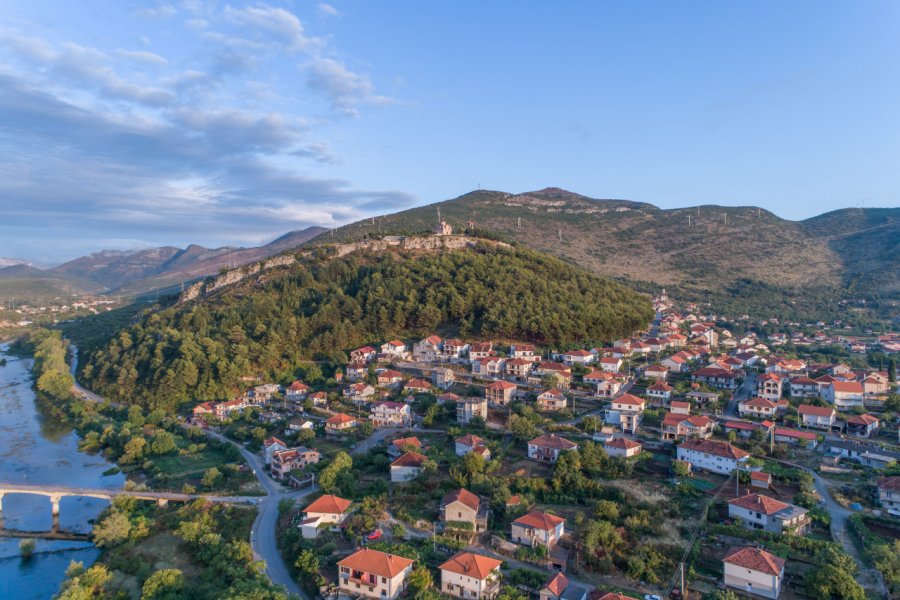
(687, 460)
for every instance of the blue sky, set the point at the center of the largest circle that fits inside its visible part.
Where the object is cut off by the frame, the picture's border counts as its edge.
(135, 124)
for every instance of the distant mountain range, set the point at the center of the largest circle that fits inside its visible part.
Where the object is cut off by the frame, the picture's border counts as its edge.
(132, 273)
(702, 251)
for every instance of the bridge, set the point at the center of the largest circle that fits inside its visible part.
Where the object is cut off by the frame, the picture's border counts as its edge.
(56, 493)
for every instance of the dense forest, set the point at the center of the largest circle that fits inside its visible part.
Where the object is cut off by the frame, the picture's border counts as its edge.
(321, 308)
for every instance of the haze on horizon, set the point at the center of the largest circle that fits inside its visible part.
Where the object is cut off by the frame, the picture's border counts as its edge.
(134, 124)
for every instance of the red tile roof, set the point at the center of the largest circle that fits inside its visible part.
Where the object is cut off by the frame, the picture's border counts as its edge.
(723, 449)
(759, 503)
(630, 400)
(864, 420)
(376, 563)
(470, 440)
(410, 459)
(464, 496)
(553, 441)
(329, 504)
(755, 560)
(623, 443)
(557, 584)
(339, 419)
(890, 483)
(471, 565)
(816, 411)
(795, 433)
(501, 386)
(539, 520)
(848, 387)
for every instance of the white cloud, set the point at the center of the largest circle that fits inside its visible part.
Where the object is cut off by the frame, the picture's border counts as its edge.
(328, 10)
(142, 56)
(345, 88)
(277, 21)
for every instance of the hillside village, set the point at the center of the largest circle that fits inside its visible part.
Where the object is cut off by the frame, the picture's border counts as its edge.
(689, 458)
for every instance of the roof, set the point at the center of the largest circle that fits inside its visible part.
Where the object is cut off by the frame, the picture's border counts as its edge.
(815, 411)
(581, 353)
(377, 563)
(659, 386)
(407, 441)
(553, 441)
(623, 443)
(418, 383)
(630, 400)
(679, 404)
(614, 596)
(755, 559)
(849, 387)
(557, 584)
(759, 503)
(760, 476)
(501, 386)
(890, 483)
(470, 440)
(554, 393)
(329, 504)
(471, 565)
(723, 449)
(865, 420)
(795, 433)
(339, 419)
(272, 441)
(396, 343)
(715, 372)
(462, 495)
(298, 385)
(759, 403)
(539, 520)
(410, 459)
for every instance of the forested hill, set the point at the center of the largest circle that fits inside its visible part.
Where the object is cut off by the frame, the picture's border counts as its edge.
(320, 308)
(705, 252)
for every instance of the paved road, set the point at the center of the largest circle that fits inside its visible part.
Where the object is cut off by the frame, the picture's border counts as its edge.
(263, 532)
(76, 387)
(742, 393)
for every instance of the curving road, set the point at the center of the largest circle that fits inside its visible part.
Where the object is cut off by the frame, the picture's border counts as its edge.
(263, 536)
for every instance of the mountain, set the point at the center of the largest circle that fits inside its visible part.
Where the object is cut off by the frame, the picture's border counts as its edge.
(142, 271)
(705, 252)
(322, 305)
(22, 283)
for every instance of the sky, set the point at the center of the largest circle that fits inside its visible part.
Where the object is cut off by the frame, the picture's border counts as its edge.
(136, 124)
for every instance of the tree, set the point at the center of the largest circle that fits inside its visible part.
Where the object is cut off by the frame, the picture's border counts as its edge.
(211, 478)
(892, 370)
(305, 436)
(163, 443)
(112, 530)
(419, 580)
(308, 564)
(522, 428)
(134, 450)
(681, 468)
(136, 416)
(830, 582)
(165, 584)
(366, 428)
(721, 595)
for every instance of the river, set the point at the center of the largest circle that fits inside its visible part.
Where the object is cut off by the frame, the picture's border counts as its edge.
(33, 450)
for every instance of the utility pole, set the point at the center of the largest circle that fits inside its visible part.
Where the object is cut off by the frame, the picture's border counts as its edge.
(519, 222)
(560, 234)
(689, 220)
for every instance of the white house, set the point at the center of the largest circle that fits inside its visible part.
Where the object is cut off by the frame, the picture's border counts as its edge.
(548, 447)
(762, 512)
(769, 386)
(328, 509)
(762, 408)
(754, 571)
(468, 575)
(407, 467)
(390, 414)
(271, 446)
(373, 574)
(578, 357)
(610, 364)
(820, 417)
(552, 400)
(472, 443)
(469, 408)
(844, 395)
(660, 392)
(711, 455)
(622, 447)
(296, 392)
(538, 529)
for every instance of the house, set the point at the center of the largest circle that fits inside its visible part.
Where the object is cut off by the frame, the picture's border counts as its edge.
(205, 409)
(296, 425)
(869, 455)
(393, 348)
(479, 350)
(657, 372)
(820, 417)
(462, 506)
(373, 574)
(756, 511)
(622, 447)
(758, 479)
(626, 411)
(552, 400)
(784, 435)
(702, 397)
(359, 392)
(454, 349)
(761, 408)
(768, 386)
(560, 372)
(862, 425)
(285, 461)
(261, 394)
(339, 424)
(296, 392)
(401, 445)
(548, 447)
(325, 510)
(674, 363)
(610, 364)
(271, 446)
(390, 414)
(577, 357)
(660, 393)
(676, 426)
(363, 355)
(389, 378)
(844, 394)
(607, 385)
(558, 587)
(716, 377)
(754, 571)
(407, 467)
(472, 443)
(417, 386)
(500, 393)
(538, 529)
(469, 408)
(356, 371)
(443, 378)
(608, 596)
(468, 575)
(677, 407)
(428, 349)
(804, 387)
(524, 351)
(491, 366)
(711, 455)
(319, 398)
(518, 368)
(874, 384)
(889, 494)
